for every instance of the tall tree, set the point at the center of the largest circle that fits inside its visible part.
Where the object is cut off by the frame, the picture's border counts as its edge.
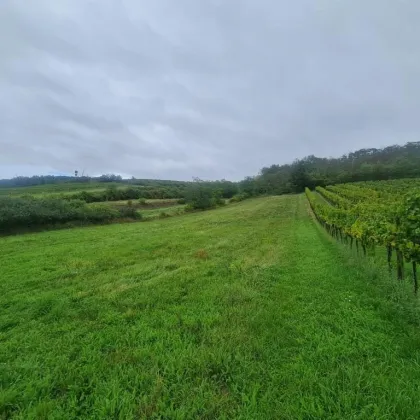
(299, 178)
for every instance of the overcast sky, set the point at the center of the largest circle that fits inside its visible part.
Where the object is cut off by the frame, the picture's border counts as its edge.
(209, 88)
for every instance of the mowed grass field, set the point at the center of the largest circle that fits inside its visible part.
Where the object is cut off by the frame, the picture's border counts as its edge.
(249, 311)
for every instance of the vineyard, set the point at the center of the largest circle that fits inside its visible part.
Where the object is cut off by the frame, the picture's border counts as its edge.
(372, 214)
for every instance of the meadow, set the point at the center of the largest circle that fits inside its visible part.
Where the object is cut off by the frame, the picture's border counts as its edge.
(249, 311)
(95, 191)
(59, 188)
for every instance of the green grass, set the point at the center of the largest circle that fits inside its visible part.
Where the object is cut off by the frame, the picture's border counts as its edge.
(60, 188)
(154, 208)
(249, 311)
(161, 212)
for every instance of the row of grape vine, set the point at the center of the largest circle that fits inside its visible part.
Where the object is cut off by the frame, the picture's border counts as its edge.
(367, 215)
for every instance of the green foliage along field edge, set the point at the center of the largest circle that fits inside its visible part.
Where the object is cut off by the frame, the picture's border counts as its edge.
(20, 214)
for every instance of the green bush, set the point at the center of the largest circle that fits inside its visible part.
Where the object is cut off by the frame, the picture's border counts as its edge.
(112, 193)
(101, 212)
(202, 196)
(239, 197)
(21, 213)
(129, 212)
(189, 208)
(217, 198)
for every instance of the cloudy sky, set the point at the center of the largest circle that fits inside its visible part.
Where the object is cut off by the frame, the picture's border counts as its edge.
(207, 88)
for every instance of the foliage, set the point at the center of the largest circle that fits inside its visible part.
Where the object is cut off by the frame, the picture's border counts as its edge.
(25, 213)
(375, 213)
(163, 215)
(112, 193)
(110, 178)
(108, 188)
(248, 186)
(393, 162)
(130, 212)
(199, 196)
(203, 195)
(299, 177)
(239, 197)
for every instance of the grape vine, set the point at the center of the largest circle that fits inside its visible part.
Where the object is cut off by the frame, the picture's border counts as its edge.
(374, 214)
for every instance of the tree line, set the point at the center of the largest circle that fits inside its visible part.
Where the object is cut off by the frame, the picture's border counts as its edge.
(393, 162)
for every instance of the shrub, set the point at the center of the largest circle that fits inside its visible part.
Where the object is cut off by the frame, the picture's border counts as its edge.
(129, 193)
(217, 198)
(189, 208)
(112, 193)
(27, 212)
(239, 197)
(201, 196)
(85, 196)
(181, 201)
(101, 212)
(129, 212)
(18, 212)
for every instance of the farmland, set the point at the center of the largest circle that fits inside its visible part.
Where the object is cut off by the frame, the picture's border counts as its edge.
(150, 209)
(50, 185)
(95, 191)
(59, 188)
(246, 311)
(384, 214)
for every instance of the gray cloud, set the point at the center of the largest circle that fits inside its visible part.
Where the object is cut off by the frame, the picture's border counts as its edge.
(204, 88)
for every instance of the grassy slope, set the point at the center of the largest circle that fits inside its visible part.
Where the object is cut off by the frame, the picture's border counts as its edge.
(248, 311)
(159, 211)
(154, 209)
(60, 188)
